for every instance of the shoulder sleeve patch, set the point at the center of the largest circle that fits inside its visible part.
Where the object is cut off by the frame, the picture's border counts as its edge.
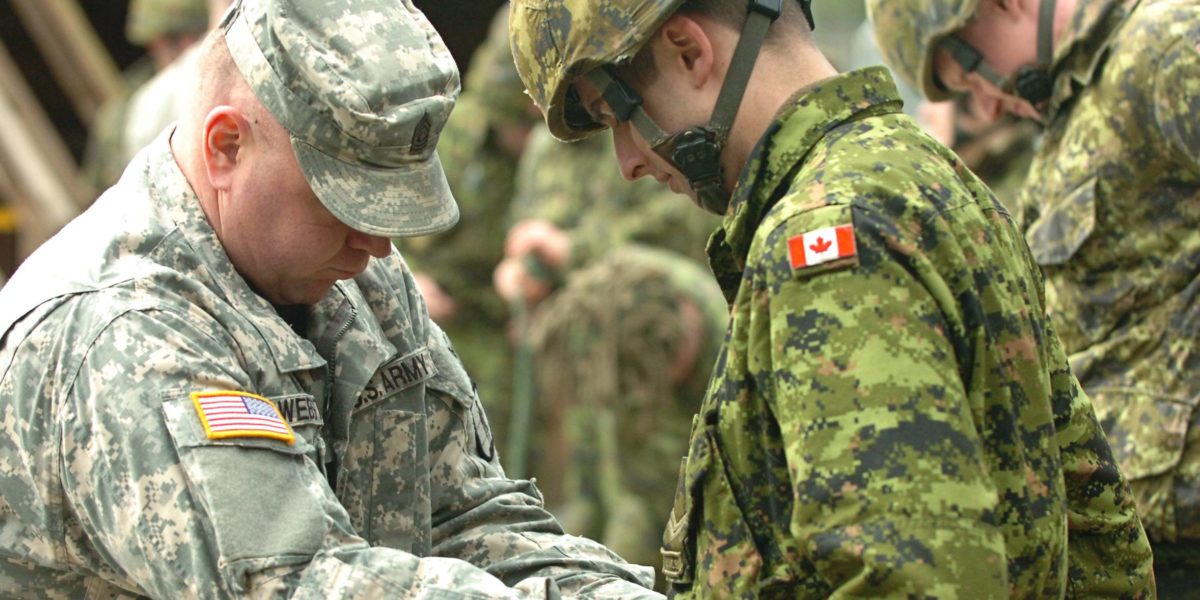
(227, 414)
(822, 246)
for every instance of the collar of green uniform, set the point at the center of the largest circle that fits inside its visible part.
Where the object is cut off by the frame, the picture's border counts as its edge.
(800, 124)
(1083, 44)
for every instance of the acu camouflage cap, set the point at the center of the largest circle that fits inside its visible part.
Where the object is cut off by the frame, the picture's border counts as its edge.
(363, 88)
(555, 41)
(908, 33)
(150, 19)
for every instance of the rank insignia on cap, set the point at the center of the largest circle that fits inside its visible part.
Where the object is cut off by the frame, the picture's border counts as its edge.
(822, 246)
(240, 414)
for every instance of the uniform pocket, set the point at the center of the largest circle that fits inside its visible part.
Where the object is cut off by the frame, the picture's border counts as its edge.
(398, 515)
(255, 493)
(1156, 441)
(1063, 228)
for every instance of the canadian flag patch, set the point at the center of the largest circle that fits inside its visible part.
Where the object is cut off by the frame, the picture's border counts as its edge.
(821, 246)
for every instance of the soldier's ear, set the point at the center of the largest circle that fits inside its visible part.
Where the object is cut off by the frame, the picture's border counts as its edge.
(226, 133)
(684, 45)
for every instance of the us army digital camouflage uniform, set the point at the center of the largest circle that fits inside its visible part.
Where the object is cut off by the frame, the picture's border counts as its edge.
(377, 476)
(903, 421)
(623, 353)
(482, 176)
(109, 483)
(1112, 212)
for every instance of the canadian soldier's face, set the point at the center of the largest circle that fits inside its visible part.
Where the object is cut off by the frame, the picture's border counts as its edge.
(1007, 37)
(635, 158)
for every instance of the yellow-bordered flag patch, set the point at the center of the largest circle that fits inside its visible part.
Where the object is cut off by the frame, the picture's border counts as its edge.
(228, 414)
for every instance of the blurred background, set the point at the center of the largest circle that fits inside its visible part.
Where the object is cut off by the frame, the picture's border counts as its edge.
(62, 60)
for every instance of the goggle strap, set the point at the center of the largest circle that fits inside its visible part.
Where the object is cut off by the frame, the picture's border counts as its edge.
(627, 105)
(741, 65)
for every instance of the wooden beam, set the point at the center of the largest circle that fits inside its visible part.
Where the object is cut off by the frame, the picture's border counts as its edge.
(44, 142)
(78, 59)
(41, 177)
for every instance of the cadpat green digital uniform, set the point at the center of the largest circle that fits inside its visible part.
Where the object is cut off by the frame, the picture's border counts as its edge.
(1111, 210)
(892, 413)
(900, 420)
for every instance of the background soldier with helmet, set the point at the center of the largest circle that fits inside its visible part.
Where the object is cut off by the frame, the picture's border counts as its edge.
(1110, 208)
(165, 28)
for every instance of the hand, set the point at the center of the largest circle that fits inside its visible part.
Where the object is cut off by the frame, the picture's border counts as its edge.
(538, 236)
(440, 305)
(513, 280)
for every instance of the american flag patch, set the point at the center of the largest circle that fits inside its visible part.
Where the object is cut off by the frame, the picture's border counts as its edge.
(240, 414)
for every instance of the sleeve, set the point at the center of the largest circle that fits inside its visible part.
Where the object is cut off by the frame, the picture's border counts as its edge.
(167, 513)
(1109, 555)
(890, 496)
(484, 518)
(1177, 100)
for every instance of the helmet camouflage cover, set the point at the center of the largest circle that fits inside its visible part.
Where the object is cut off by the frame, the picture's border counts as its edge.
(150, 19)
(555, 41)
(908, 31)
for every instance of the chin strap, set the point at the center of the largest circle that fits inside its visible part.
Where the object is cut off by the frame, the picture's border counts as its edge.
(696, 152)
(1033, 82)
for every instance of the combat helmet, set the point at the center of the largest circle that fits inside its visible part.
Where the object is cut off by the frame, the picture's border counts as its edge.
(150, 19)
(910, 32)
(557, 41)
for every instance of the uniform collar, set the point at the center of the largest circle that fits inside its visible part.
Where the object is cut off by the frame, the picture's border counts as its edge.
(800, 124)
(1083, 45)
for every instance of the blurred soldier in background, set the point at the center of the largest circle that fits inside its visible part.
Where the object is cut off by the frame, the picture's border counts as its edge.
(480, 147)
(622, 340)
(165, 28)
(160, 101)
(571, 208)
(1111, 209)
(623, 353)
(999, 152)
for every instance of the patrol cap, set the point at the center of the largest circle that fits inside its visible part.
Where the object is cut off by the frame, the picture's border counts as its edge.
(150, 19)
(363, 88)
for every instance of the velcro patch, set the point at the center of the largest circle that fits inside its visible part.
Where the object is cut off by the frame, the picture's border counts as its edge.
(822, 246)
(397, 376)
(227, 414)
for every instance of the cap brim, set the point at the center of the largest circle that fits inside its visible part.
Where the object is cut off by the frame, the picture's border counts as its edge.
(386, 201)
